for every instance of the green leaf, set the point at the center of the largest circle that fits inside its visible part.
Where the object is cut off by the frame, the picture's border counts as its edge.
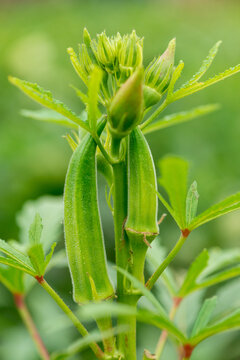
(179, 118)
(220, 259)
(219, 277)
(83, 97)
(12, 278)
(48, 116)
(194, 87)
(84, 342)
(45, 98)
(205, 65)
(71, 142)
(154, 319)
(50, 209)
(77, 66)
(194, 271)
(204, 315)
(35, 230)
(191, 203)
(15, 255)
(167, 206)
(98, 311)
(174, 173)
(36, 256)
(49, 255)
(175, 76)
(138, 285)
(93, 90)
(231, 203)
(228, 323)
(16, 265)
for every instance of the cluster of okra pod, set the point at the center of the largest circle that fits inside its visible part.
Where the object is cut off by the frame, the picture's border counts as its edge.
(122, 91)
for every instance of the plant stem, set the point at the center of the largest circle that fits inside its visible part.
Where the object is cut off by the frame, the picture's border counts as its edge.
(166, 262)
(28, 321)
(126, 341)
(115, 147)
(82, 330)
(155, 114)
(104, 325)
(120, 214)
(164, 334)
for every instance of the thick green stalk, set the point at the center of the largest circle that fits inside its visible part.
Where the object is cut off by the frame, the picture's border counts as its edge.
(166, 262)
(82, 330)
(120, 214)
(126, 341)
(28, 321)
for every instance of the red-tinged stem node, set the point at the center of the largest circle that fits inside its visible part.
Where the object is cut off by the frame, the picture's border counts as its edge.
(29, 323)
(18, 299)
(186, 351)
(40, 279)
(177, 301)
(185, 232)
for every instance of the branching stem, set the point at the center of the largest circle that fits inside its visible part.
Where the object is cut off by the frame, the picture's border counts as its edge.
(163, 338)
(155, 114)
(28, 321)
(82, 330)
(166, 262)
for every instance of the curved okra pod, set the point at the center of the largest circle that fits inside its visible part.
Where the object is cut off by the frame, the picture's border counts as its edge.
(83, 231)
(141, 225)
(105, 169)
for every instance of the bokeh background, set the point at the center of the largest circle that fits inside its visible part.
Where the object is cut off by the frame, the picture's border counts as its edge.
(34, 156)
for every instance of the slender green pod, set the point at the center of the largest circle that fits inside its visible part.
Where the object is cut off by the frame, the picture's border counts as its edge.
(83, 230)
(105, 168)
(141, 224)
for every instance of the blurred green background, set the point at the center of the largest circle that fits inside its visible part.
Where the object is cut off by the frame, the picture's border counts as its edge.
(34, 156)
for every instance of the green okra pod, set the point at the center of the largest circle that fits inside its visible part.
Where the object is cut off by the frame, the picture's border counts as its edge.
(83, 230)
(105, 169)
(141, 224)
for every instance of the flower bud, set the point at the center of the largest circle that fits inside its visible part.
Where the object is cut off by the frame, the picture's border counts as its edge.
(106, 52)
(86, 37)
(85, 60)
(130, 55)
(151, 96)
(126, 108)
(158, 74)
(89, 45)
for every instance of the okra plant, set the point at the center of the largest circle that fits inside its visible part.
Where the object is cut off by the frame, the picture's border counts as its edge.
(123, 102)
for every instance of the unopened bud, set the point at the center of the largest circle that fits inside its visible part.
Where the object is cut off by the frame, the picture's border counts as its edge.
(151, 96)
(86, 37)
(106, 53)
(126, 108)
(158, 73)
(130, 54)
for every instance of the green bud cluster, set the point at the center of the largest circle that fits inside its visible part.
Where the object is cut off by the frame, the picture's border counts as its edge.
(130, 55)
(117, 55)
(125, 88)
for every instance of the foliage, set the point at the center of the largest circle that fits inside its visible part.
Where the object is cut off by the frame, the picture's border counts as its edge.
(118, 95)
